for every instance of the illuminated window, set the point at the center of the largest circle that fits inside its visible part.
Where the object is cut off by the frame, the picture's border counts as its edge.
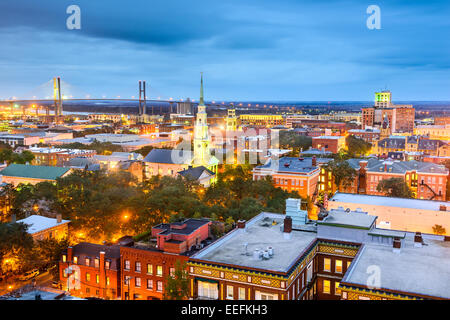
(172, 272)
(88, 277)
(97, 278)
(107, 264)
(127, 264)
(229, 292)
(107, 281)
(137, 282)
(75, 260)
(337, 291)
(338, 267)
(159, 271)
(64, 258)
(348, 264)
(326, 264)
(159, 286)
(150, 284)
(149, 269)
(138, 266)
(241, 293)
(96, 263)
(88, 261)
(326, 286)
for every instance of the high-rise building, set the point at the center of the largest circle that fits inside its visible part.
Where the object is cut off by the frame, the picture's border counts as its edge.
(401, 117)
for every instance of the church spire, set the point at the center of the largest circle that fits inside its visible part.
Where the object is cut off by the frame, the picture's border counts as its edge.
(202, 101)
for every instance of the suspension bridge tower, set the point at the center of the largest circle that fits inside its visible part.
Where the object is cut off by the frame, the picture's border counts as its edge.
(58, 100)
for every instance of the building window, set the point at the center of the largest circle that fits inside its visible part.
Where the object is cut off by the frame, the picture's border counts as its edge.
(338, 266)
(107, 281)
(97, 292)
(149, 269)
(348, 264)
(127, 264)
(241, 293)
(137, 282)
(96, 263)
(88, 261)
(64, 258)
(208, 290)
(172, 272)
(337, 291)
(159, 286)
(150, 284)
(326, 264)
(97, 278)
(127, 280)
(326, 286)
(159, 271)
(88, 290)
(75, 260)
(107, 264)
(88, 277)
(230, 292)
(138, 266)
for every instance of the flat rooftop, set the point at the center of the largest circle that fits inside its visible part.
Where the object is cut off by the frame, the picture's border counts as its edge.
(423, 270)
(260, 233)
(389, 202)
(343, 219)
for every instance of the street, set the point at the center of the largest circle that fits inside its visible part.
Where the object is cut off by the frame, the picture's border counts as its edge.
(44, 280)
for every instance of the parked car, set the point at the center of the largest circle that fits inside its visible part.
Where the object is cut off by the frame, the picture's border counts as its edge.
(56, 284)
(29, 274)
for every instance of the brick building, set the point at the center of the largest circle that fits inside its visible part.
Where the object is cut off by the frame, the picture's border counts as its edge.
(329, 143)
(427, 180)
(299, 175)
(91, 270)
(146, 266)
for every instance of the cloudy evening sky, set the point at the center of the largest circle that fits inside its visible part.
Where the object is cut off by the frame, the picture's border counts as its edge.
(248, 49)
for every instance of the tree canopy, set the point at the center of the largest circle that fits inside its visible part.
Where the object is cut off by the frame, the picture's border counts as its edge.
(343, 173)
(395, 187)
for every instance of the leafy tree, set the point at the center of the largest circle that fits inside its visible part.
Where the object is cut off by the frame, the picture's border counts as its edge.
(343, 173)
(357, 146)
(438, 229)
(49, 252)
(177, 286)
(9, 156)
(395, 187)
(291, 140)
(15, 244)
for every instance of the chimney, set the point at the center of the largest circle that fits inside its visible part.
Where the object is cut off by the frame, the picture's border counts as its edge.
(418, 240)
(69, 254)
(13, 218)
(396, 245)
(58, 218)
(241, 224)
(314, 161)
(287, 228)
(363, 164)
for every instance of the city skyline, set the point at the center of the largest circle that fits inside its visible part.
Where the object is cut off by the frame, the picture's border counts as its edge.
(284, 51)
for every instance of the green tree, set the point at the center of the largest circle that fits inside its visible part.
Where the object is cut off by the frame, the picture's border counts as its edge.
(15, 245)
(343, 173)
(177, 285)
(438, 229)
(357, 147)
(49, 252)
(395, 187)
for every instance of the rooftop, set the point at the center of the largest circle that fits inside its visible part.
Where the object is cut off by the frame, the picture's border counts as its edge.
(343, 219)
(177, 227)
(40, 223)
(169, 156)
(292, 164)
(424, 270)
(389, 202)
(35, 172)
(264, 230)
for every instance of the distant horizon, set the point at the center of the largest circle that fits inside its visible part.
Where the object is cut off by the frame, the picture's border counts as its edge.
(252, 50)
